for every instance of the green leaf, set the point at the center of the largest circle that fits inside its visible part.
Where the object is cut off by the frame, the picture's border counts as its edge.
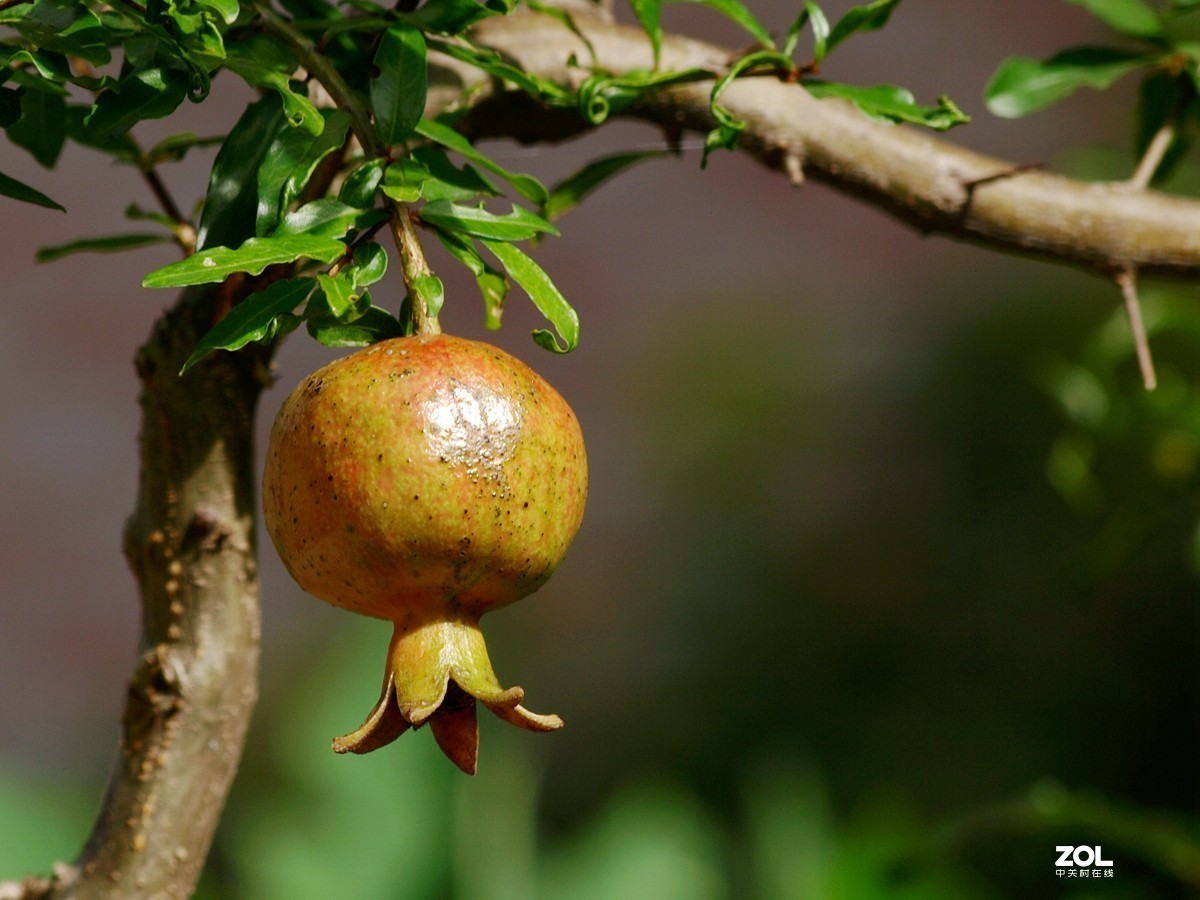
(428, 173)
(339, 294)
(545, 296)
(430, 292)
(493, 286)
(1022, 86)
(518, 225)
(869, 17)
(107, 244)
(230, 210)
(740, 15)
(649, 14)
(892, 104)
(729, 127)
(260, 317)
(570, 192)
(813, 14)
(527, 186)
(1132, 17)
(263, 61)
(602, 95)
(208, 266)
(368, 265)
(398, 92)
(42, 128)
(227, 9)
(327, 217)
(10, 187)
(371, 327)
(146, 94)
(67, 27)
(289, 163)
(359, 187)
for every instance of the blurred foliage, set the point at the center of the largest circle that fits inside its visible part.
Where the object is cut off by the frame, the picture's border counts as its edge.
(897, 613)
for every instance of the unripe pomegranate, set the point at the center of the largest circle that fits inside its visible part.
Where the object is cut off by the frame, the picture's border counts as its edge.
(426, 480)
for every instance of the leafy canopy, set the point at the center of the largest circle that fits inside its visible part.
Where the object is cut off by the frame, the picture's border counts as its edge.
(338, 142)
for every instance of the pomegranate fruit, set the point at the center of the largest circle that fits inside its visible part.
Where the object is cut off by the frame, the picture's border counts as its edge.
(426, 480)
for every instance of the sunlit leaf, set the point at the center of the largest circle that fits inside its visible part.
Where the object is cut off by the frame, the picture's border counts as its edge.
(545, 296)
(493, 286)
(1022, 86)
(217, 264)
(892, 104)
(327, 217)
(527, 186)
(518, 225)
(649, 14)
(146, 94)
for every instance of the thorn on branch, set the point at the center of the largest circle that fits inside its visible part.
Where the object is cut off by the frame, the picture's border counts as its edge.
(1127, 281)
(1156, 150)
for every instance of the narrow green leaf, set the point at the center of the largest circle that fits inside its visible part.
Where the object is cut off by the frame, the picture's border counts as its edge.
(739, 15)
(10, 187)
(649, 15)
(1133, 17)
(259, 317)
(398, 91)
(570, 192)
(493, 286)
(494, 64)
(327, 217)
(146, 94)
(230, 209)
(870, 17)
(518, 225)
(208, 266)
(527, 186)
(545, 296)
(1022, 86)
(107, 244)
(814, 15)
(892, 104)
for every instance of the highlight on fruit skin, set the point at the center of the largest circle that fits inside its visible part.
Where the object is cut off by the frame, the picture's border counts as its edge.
(426, 480)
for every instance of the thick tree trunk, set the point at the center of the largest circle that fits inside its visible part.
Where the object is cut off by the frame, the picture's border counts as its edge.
(190, 543)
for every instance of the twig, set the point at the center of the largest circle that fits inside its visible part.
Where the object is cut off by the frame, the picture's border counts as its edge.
(1153, 157)
(1127, 281)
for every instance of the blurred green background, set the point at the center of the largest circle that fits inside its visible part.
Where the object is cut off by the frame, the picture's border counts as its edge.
(888, 583)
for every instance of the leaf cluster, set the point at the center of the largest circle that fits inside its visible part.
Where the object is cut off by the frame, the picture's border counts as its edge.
(1154, 41)
(301, 188)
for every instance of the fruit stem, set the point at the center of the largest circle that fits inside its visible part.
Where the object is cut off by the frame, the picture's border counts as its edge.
(415, 269)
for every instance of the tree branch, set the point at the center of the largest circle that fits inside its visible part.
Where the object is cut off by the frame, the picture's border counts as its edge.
(923, 180)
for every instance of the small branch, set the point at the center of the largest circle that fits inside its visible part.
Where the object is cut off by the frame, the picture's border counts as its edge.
(1153, 157)
(415, 266)
(1127, 281)
(184, 231)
